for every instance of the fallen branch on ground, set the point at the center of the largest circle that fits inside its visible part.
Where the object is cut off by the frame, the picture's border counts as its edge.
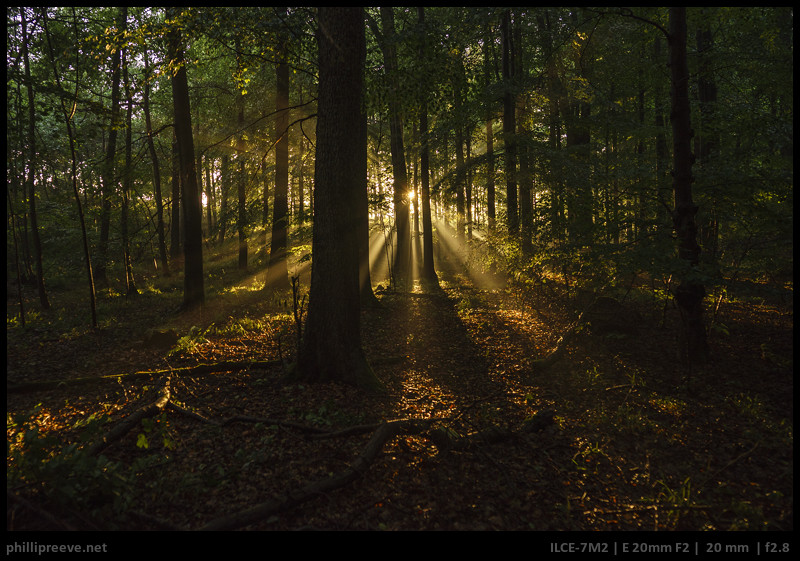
(123, 427)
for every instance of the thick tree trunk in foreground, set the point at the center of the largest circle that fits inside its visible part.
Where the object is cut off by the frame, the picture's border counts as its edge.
(690, 293)
(331, 347)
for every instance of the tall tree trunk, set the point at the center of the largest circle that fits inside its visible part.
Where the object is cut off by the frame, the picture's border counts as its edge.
(428, 270)
(193, 282)
(109, 168)
(331, 346)
(368, 297)
(509, 126)
(127, 179)
(525, 177)
(241, 186)
(301, 150)
(662, 155)
(402, 265)
(31, 185)
(176, 228)
(278, 271)
(708, 139)
(468, 180)
(490, 186)
(554, 126)
(460, 180)
(224, 173)
(265, 200)
(210, 200)
(162, 246)
(690, 293)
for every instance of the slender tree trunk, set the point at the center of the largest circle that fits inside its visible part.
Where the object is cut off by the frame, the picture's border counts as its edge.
(278, 271)
(265, 201)
(127, 179)
(31, 185)
(490, 186)
(301, 150)
(368, 297)
(428, 270)
(175, 215)
(402, 268)
(241, 183)
(524, 177)
(210, 200)
(162, 246)
(224, 189)
(690, 293)
(331, 346)
(460, 167)
(109, 169)
(509, 126)
(662, 156)
(708, 139)
(468, 180)
(193, 281)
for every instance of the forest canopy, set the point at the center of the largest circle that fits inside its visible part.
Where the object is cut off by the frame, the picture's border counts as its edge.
(583, 175)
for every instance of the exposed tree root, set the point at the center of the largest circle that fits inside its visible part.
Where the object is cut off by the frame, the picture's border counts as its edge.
(382, 435)
(442, 438)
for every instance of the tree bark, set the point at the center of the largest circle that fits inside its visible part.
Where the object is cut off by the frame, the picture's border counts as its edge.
(402, 265)
(509, 126)
(241, 191)
(331, 346)
(525, 177)
(175, 249)
(109, 167)
(223, 194)
(490, 185)
(278, 271)
(193, 281)
(690, 293)
(460, 178)
(708, 139)
(162, 246)
(428, 269)
(127, 179)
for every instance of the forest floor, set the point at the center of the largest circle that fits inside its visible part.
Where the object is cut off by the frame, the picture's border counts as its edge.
(634, 445)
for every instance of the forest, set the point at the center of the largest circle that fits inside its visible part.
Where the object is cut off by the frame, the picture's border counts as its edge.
(399, 268)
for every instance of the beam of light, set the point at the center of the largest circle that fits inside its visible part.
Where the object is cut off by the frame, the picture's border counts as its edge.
(378, 258)
(457, 253)
(416, 260)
